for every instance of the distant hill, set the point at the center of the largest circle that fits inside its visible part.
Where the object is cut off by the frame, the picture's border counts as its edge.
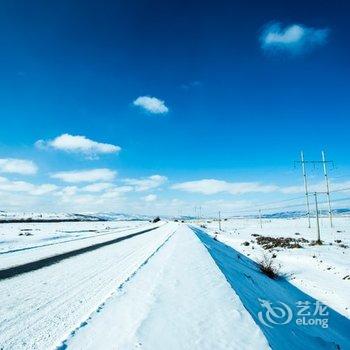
(12, 217)
(300, 214)
(121, 217)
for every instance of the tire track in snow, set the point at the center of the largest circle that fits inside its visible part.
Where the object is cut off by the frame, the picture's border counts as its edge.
(56, 300)
(66, 295)
(39, 264)
(179, 300)
(68, 240)
(63, 344)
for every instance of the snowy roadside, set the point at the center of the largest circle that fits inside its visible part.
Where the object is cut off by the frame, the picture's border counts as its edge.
(174, 288)
(64, 239)
(284, 313)
(320, 271)
(40, 308)
(16, 236)
(178, 300)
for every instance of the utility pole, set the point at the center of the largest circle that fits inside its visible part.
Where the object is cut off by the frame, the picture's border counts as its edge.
(219, 221)
(317, 221)
(324, 162)
(260, 218)
(306, 187)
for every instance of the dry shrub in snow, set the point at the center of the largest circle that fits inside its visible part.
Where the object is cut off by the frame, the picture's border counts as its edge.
(268, 268)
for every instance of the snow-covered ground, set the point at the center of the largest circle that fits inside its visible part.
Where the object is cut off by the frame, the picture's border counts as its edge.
(16, 236)
(178, 300)
(40, 308)
(320, 271)
(24, 242)
(173, 287)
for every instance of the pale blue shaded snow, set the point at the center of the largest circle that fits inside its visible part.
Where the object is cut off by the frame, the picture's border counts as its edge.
(251, 285)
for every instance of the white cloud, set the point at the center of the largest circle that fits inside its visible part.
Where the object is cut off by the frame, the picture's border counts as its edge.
(212, 186)
(71, 196)
(315, 187)
(77, 198)
(78, 144)
(109, 189)
(151, 104)
(227, 205)
(67, 191)
(26, 187)
(18, 166)
(97, 187)
(93, 175)
(43, 189)
(294, 39)
(146, 184)
(117, 191)
(95, 197)
(150, 198)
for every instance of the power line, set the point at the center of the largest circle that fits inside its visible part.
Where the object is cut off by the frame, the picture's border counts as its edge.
(255, 205)
(338, 200)
(341, 190)
(267, 205)
(268, 209)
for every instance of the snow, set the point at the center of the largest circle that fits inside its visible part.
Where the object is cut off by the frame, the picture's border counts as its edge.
(174, 287)
(47, 239)
(41, 307)
(16, 236)
(273, 303)
(178, 300)
(318, 271)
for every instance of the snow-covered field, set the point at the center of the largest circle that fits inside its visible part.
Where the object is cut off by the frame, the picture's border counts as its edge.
(321, 271)
(179, 300)
(24, 242)
(15, 236)
(39, 308)
(172, 287)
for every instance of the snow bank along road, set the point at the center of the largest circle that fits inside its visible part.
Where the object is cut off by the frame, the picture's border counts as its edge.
(253, 288)
(171, 288)
(38, 308)
(178, 300)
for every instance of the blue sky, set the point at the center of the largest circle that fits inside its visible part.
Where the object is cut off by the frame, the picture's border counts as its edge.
(226, 91)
